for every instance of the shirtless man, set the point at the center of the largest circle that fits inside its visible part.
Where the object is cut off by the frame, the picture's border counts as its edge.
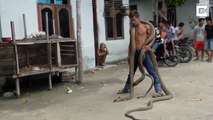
(141, 33)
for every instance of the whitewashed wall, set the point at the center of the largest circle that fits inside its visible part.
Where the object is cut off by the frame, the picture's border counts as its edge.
(12, 10)
(144, 8)
(184, 12)
(87, 32)
(117, 48)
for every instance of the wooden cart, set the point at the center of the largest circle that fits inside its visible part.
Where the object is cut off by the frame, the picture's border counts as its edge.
(33, 57)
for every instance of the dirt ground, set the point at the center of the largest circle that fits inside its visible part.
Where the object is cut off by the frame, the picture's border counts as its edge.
(191, 85)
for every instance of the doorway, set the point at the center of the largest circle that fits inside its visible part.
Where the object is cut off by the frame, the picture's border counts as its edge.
(133, 7)
(95, 25)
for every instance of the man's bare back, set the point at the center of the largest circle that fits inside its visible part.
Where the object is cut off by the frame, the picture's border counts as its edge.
(141, 34)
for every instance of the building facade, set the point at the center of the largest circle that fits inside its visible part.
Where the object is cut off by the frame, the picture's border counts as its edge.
(98, 25)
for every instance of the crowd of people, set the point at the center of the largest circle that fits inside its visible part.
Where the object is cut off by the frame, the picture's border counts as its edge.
(202, 40)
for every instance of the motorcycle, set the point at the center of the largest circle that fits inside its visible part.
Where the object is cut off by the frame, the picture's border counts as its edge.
(170, 59)
(185, 50)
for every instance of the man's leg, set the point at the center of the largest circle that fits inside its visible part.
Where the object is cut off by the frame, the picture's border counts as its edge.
(202, 50)
(197, 47)
(164, 48)
(207, 49)
(103, 58)
(173, 47)
(211, 49)
(202, 54)
(150, 69)
(127, 86)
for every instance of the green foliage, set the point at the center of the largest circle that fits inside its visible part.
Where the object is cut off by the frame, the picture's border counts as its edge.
(192, 22)
(176, 2)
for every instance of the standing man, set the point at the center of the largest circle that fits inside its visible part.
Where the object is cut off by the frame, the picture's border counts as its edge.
(199, 32)
(209, 38)
(141, 33)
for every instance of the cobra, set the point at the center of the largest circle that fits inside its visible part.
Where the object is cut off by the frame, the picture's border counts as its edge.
(168, 95)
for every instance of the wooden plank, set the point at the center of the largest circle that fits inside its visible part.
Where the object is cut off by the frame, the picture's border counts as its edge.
(4, 63)
(68, 60)
(23, 74)
(68, 54)
(69, 66)
(6, 51)
(67, 50)
(6, 72)
(2, 48)
(67, 45)
(22, 63)
(6, 60)
(6, 56)
(7, 68)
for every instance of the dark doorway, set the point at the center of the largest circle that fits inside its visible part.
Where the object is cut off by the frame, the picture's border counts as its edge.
(50, 20)
(133, 7)
(64, 22)
(171, 15)
(95, 30)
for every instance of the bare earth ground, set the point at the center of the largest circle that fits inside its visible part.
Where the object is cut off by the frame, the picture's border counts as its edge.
(191, 84)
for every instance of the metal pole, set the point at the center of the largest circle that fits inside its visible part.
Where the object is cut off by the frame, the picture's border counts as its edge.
(18, 87)
(47, 25)
(25, 26)
(16, 58)
(53, 26)
(0, 31)
(13, 31)
(50, 82)
(49, 51)
(79, 41)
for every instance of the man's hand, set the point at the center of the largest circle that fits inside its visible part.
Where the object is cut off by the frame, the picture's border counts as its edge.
(148, 47)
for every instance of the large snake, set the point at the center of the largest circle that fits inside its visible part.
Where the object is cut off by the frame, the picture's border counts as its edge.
(168, 95)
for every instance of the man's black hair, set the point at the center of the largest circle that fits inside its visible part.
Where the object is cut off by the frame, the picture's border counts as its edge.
(208, 18)
(200, 19)
(181, 24)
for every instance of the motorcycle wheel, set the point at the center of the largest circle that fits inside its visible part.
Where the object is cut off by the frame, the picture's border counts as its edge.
(184, 55)
(171, 61)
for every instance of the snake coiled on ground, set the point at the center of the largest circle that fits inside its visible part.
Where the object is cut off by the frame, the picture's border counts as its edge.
(168, 95)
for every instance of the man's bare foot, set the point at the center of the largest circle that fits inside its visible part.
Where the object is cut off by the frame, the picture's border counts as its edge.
(160, 94)
(123, 91)
(196, 59)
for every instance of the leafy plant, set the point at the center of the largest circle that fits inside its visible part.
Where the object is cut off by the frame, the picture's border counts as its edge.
(192, 22)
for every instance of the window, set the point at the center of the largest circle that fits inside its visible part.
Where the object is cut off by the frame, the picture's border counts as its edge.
(211, 11)
(114, 19)
(60, 20)
(53, 1)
